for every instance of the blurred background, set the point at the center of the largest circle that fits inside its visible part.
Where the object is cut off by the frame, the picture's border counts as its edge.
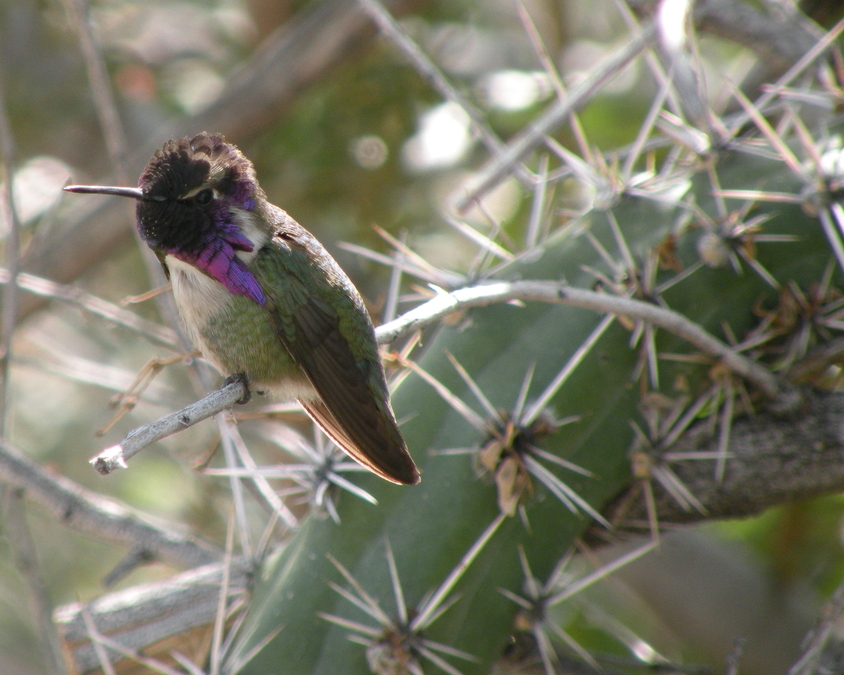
(345, 136)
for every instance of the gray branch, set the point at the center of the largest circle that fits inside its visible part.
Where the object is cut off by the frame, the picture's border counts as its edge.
(781, 395)
(116, 456)
(87, 512)
(143, 615)
(772, 459)
(559, 293)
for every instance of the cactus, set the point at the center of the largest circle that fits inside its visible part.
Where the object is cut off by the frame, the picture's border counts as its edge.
(303, 612)
(364, 594)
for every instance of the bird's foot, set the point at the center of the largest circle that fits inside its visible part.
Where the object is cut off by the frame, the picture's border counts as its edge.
(239, 377)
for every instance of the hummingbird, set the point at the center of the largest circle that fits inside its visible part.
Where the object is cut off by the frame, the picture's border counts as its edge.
(262, 299)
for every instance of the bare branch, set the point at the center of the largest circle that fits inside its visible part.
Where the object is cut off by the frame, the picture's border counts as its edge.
(781, 394)
(143, 615)
(772, 459)
(97, 516)
(14, 515)
(558, 293)
(116, 456)
(774, 39)
(119, 316)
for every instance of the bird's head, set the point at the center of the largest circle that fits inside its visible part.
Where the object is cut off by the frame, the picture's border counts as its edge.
(193, 200)
(193, 189)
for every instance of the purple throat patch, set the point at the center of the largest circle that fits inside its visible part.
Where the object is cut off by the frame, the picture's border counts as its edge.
(219, 261)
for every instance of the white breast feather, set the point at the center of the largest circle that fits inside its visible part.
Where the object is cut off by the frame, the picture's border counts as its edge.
(198, 298)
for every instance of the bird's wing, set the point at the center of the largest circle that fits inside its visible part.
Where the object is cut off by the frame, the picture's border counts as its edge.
(324, 326)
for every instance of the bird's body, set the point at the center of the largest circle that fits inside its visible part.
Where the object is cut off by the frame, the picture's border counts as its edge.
(262, 299)
(234, 333)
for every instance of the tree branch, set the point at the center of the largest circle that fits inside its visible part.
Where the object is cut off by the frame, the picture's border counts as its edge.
(143, 615)
(783, 397)
(136, 440)
(15, 526)
(563, 294)
(152, 331)
(776, 41)
(772, 459)
(94, 515)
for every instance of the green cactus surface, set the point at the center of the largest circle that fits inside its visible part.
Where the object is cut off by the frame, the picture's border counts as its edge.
(431, 526)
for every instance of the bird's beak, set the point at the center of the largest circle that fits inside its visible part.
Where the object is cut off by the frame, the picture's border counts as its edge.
(133, 192)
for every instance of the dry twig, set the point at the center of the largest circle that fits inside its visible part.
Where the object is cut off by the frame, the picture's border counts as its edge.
(782, 396)
(98, 516)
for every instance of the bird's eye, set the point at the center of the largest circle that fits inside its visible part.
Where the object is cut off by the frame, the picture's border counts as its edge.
(204, 197)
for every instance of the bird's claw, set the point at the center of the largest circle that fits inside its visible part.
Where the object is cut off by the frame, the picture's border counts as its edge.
(239, 377)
